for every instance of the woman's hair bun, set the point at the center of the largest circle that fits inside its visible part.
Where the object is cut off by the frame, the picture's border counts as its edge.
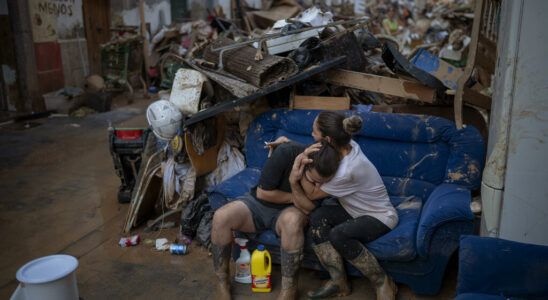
(352, 125)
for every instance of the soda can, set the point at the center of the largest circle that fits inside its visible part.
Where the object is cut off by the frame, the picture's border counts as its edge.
(177, 249)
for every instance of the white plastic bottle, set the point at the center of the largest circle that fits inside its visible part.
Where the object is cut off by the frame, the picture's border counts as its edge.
(243, 269)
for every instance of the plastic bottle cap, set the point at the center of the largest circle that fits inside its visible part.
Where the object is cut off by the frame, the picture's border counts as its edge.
(260, 247)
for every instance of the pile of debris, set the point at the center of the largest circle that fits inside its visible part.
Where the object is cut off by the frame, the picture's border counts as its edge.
(217, 75)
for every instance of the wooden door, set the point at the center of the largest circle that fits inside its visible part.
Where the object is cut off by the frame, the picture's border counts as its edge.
(97, 23)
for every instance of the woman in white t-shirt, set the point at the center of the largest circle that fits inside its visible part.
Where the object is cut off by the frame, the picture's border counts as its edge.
(363, 212)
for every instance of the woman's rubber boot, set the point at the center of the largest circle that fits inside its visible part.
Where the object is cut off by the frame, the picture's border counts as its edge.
(291, 260)
(385, 288)
(332, 261)
(221, 258)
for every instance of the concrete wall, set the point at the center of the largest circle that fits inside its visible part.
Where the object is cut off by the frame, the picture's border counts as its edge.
(126, 12)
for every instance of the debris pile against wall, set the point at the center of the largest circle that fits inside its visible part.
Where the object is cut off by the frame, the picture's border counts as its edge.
(380, 56)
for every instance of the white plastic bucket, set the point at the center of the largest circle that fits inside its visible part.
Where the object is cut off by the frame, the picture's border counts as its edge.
(48, 278)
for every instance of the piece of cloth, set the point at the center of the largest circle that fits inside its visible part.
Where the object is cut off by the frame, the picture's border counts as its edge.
(276, 171)
(360, 188)
(347, 234)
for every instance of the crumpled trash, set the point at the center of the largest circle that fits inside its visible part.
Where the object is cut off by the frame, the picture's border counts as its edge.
(192, 215)
(293, 26)
(129, 241)
(178, 182)
(230, 161)
(308, 53)
(162, 244)
(203, 234)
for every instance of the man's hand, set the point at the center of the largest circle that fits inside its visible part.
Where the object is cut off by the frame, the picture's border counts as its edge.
(298, 168)
(276, 143)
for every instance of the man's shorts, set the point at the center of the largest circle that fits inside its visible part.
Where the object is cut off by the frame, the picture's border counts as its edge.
(264, 217)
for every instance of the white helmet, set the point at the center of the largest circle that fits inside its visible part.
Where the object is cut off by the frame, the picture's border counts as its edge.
(165, 119)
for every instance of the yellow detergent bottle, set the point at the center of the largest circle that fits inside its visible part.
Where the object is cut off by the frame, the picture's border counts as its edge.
(260, 270)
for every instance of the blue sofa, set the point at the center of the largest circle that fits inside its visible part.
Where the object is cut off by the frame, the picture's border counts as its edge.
(498, 269)
(428, 168)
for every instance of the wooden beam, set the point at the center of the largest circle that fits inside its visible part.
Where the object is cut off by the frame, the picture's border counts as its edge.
(472, 50)
(478, 99)
(383, 85)
(317, 102)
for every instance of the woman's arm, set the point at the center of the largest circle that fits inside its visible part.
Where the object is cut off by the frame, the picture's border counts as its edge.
(311, 190)
(300, 200)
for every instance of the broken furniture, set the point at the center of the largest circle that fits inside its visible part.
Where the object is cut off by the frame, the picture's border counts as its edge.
(491, 268)
(242, 62)
(428, 167)
(120, 61)
(481, 52)
(224, 106)
(126, 146)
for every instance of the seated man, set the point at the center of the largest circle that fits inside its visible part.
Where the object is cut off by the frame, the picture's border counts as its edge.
(271, 205)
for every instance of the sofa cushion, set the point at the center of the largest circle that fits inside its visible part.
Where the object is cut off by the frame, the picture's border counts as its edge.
(397, 245)
(419, 161)
(403, 187)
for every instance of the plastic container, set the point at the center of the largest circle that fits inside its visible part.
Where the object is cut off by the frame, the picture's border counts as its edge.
(177, 249)
(48, 278)
(243, 267)
(261, 267)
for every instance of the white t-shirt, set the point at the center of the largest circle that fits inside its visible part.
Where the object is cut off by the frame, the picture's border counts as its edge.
(360, 188)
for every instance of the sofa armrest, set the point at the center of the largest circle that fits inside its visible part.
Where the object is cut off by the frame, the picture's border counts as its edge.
(447, 203)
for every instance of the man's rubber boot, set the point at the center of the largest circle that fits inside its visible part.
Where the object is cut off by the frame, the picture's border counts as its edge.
(221, 259)
(291, 260)
(385, 288)
(332, 261)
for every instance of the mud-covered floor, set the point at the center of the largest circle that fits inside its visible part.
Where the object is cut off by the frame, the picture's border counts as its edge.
(58, 195)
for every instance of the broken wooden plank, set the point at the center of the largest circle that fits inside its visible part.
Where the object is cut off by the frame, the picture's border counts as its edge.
(476, 98)
(224, 106)
(318, 102)
(383, 85)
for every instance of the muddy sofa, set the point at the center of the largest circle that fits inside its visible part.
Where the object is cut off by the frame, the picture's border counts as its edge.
(497, 269)
(429, 169)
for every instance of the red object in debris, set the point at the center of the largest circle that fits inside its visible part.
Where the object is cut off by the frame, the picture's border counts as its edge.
(129, 241)
(186, 42)
(129, 134)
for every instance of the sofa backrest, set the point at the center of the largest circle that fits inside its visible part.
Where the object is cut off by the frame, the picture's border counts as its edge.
(413, 153)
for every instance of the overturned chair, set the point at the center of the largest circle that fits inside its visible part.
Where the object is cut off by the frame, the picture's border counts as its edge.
(429, 169)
